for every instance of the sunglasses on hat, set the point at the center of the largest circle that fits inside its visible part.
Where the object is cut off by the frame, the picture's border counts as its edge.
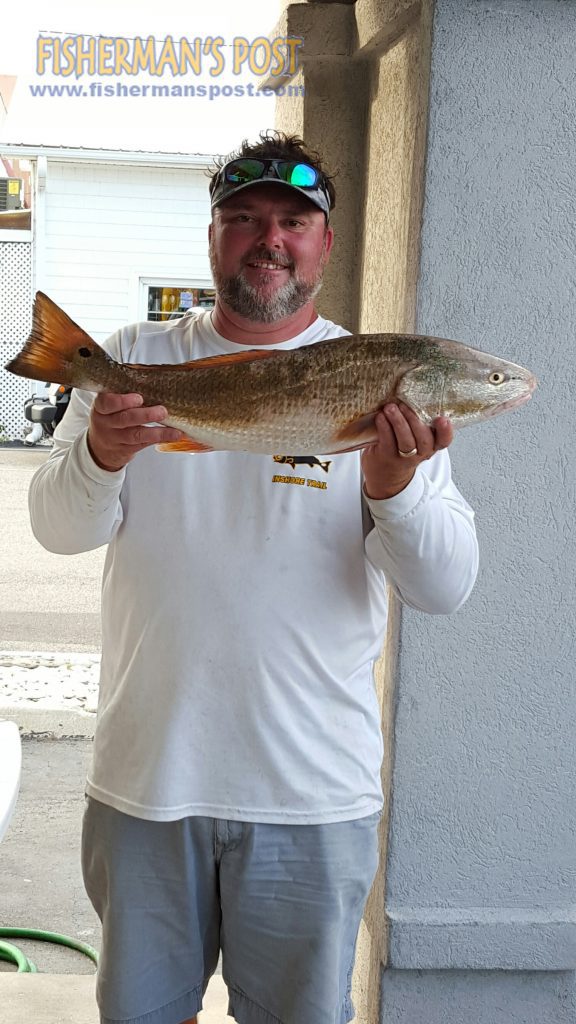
(238, 174)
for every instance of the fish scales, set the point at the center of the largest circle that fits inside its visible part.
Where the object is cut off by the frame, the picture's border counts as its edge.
(299, 399)
(316, 373)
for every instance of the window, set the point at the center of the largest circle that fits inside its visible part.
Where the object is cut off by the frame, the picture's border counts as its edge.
(169, 301)
(15, 199)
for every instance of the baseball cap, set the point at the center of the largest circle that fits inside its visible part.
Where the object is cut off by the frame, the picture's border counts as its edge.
(240, 174)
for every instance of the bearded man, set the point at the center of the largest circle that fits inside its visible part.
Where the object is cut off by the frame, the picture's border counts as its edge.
(234, 796)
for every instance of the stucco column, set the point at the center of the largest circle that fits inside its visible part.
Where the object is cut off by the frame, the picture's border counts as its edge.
(326, 104)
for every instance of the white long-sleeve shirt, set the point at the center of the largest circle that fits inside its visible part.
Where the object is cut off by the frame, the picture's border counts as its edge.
(243, 608)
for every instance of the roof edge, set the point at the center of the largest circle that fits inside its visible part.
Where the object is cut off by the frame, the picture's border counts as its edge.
(81, 154)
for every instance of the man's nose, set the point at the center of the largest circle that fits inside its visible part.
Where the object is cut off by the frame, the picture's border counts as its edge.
(271, 233)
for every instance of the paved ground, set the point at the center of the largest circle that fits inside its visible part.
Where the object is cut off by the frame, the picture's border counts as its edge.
(41, 881)
(64, 999)
(48, 602)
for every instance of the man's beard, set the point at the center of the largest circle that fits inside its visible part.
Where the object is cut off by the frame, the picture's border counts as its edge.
(247, 301)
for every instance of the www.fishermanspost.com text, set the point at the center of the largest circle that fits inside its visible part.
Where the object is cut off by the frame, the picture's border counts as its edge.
(211, 91)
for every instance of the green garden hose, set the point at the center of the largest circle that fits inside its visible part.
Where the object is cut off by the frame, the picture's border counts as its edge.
(13, 955)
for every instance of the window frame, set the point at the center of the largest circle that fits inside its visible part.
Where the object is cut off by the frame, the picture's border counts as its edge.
(147, 281)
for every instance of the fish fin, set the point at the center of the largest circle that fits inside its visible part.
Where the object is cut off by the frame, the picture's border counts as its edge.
(252, 355)
(229, 359)
(187, 444)
(354, 448)
(360, 432)
(53, 343)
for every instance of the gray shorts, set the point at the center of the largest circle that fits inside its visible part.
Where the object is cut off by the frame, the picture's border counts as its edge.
(282, 902)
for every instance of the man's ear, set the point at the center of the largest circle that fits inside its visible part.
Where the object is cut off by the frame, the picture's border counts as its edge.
(210, 232)
(328, 240)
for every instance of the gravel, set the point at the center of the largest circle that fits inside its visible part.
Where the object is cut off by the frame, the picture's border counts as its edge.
(53, 680)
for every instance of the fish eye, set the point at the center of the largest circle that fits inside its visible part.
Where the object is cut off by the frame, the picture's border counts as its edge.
(497, 377)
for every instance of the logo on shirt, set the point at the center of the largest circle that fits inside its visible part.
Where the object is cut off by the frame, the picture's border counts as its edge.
(301, 460)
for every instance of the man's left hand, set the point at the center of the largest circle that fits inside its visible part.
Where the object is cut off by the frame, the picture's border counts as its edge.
(386, 472)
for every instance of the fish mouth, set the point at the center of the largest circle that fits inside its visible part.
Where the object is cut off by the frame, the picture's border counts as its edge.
(511, 403)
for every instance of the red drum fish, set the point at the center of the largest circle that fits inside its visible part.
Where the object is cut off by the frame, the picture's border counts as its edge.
(317, 399)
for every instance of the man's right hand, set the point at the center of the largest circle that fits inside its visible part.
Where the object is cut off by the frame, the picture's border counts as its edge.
(117, 430)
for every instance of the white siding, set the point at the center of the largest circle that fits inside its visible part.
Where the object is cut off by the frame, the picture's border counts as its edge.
(107, 225)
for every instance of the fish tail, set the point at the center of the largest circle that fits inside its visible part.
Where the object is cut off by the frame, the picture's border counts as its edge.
(57, 349)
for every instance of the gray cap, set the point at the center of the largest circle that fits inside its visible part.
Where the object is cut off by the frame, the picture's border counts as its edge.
(221, 187)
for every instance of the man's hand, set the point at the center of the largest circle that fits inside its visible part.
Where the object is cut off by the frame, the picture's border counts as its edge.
(117, 430)
(386, 473)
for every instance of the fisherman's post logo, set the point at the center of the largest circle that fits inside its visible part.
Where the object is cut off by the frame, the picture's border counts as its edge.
(72, 57)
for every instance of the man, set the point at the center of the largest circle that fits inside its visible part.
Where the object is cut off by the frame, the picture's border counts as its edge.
(234, 796)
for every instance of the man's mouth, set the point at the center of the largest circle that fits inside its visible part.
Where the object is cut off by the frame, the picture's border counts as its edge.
(262, 264)
(268, 266)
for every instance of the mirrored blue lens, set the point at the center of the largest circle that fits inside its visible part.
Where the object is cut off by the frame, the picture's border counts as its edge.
(301, 175)
(241, 171)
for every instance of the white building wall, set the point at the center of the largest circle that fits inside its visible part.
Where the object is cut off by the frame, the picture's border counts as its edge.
(107, 225)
